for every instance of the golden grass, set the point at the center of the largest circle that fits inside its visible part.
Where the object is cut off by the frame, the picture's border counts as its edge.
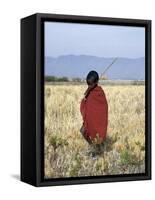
(65, 149)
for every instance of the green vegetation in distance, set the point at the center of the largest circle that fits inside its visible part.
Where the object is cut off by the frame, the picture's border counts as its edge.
(61, 79)
(55, 79)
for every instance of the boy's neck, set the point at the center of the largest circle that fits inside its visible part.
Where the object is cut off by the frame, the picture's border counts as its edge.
(90, 88)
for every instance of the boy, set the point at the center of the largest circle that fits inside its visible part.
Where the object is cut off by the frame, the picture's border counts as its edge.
(94, 111)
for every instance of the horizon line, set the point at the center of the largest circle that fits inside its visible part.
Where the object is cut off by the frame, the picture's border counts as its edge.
(63, 55)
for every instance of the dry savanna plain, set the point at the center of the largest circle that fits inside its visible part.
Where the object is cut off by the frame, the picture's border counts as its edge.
(66, 151)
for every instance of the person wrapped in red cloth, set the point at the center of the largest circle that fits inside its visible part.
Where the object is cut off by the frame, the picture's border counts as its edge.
(94, 111)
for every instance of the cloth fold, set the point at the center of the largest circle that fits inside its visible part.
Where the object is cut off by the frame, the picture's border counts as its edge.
(94, 111)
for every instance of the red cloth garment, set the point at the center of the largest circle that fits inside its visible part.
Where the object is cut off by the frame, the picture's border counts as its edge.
(94, 111)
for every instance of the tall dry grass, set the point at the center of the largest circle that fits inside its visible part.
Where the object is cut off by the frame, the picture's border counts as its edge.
(65, 149)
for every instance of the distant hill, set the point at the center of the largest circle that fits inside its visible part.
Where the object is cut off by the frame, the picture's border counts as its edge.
(78, 66)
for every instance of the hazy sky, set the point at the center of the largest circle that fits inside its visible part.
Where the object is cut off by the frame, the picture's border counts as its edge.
(97, 40)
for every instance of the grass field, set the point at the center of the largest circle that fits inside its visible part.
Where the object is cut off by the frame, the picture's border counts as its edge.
(65, 149)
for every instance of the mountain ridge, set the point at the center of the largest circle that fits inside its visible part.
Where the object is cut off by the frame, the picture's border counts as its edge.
(79, 65)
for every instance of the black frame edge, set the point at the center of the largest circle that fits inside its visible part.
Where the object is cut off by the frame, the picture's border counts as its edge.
(149, 96)
(28, 99)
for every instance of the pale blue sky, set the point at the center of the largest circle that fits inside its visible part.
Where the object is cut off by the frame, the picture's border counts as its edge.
(97, 40)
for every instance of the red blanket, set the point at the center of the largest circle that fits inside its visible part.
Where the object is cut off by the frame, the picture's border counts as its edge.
(94, 110)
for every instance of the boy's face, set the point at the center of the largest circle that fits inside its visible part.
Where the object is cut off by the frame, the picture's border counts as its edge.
(91, 81)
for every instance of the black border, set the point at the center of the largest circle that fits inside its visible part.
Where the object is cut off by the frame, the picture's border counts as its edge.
(41, 18)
